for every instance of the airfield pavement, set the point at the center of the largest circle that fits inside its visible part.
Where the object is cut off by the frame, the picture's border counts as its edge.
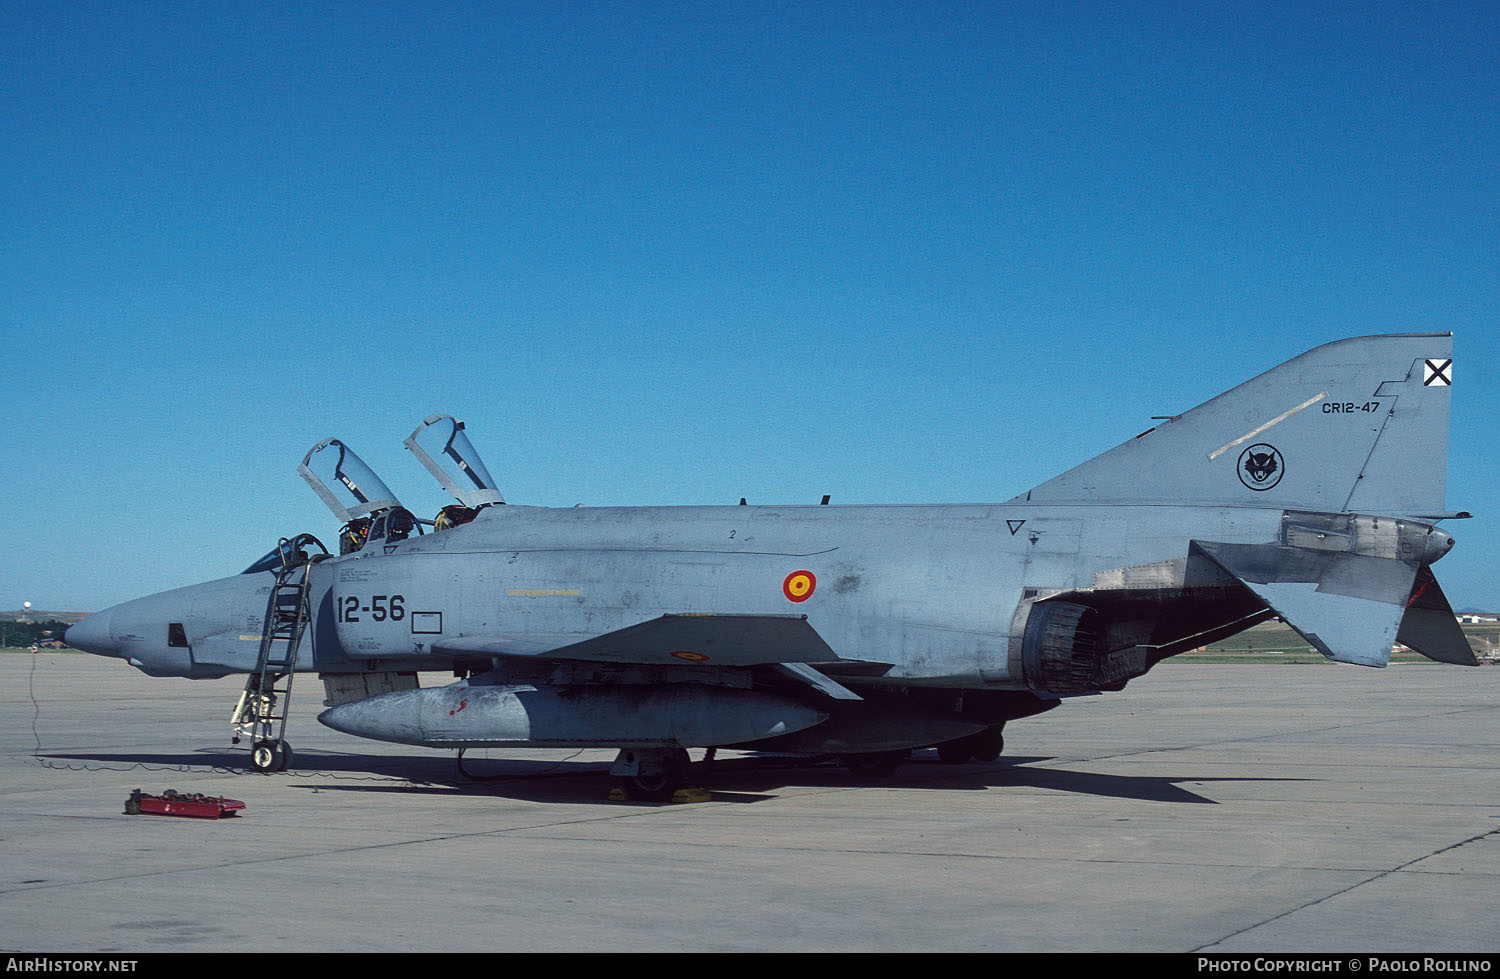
(1213, 808)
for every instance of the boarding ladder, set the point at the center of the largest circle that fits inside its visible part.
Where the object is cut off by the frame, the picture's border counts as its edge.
(262, 710)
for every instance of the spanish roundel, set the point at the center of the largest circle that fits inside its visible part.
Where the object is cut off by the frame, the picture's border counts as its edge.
(799, 585)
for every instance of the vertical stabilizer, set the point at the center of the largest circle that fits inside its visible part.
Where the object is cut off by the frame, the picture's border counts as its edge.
(1358, 425)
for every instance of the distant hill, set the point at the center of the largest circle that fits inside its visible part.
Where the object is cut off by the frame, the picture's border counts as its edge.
(39, 615)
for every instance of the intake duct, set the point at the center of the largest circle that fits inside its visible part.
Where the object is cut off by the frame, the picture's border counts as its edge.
(1063, 651)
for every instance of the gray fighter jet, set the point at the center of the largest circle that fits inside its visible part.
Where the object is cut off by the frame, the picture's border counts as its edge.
(1309, 493)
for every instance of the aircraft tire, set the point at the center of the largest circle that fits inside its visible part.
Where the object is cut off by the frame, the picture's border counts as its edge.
(987, 745)
(649, 788)
(286, 757)
(658, 782)
(954, 752)
(875, 763)
(266, 757)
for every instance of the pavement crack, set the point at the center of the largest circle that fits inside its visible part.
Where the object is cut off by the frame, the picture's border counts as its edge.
(1345, 890)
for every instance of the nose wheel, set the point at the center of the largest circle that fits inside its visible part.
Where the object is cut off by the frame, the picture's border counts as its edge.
(270, 756)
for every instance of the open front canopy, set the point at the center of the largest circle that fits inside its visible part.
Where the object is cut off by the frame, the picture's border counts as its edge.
(342, 481)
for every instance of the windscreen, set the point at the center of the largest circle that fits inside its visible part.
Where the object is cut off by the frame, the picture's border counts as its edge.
(284, 551)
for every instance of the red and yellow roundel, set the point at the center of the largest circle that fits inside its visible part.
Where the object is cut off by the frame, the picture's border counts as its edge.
(799, 585)
(691, 657)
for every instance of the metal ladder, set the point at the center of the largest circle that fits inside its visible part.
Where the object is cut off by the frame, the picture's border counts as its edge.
(262, 710)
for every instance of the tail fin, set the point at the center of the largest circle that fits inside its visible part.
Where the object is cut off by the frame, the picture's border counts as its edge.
(1357, 425)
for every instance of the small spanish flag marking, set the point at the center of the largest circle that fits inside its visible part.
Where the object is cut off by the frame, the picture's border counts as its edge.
(799, 585)
(690, 657)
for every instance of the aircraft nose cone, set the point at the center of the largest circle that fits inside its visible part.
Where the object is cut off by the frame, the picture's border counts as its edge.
(92, 635)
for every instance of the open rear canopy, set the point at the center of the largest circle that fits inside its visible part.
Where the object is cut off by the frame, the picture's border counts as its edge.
(440, 444)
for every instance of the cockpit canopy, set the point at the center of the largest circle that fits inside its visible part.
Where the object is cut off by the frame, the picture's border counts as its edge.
(367, 508)
(343, 482)
(440, 444)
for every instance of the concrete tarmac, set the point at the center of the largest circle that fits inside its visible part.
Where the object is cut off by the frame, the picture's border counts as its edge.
(1205, 808)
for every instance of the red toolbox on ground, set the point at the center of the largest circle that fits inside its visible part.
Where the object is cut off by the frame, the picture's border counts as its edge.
(171, 803)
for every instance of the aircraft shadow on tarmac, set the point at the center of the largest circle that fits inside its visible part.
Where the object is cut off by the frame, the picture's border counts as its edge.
(736, 779)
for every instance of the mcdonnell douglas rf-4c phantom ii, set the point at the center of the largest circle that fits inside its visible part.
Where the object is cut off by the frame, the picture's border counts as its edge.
(1309, 493)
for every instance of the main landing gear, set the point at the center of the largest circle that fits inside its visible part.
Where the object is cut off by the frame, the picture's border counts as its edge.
(875, 764)
(984, 746)
(652, 774)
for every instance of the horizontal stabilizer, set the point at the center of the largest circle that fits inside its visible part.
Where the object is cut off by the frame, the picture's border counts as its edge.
(1430, 626)
(1349, 606)
(671, 640)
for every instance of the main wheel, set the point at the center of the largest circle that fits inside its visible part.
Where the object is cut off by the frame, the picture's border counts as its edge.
(876, 763)
(987, 745)
(659, 775)
(954, 752)
(655, 787)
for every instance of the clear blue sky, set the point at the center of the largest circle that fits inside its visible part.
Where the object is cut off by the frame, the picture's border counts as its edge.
(684, 253)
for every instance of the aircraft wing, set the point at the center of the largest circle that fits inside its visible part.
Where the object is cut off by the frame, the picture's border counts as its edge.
(671, 640)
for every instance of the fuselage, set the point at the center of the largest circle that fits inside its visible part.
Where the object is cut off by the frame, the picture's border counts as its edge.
(930, 592)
